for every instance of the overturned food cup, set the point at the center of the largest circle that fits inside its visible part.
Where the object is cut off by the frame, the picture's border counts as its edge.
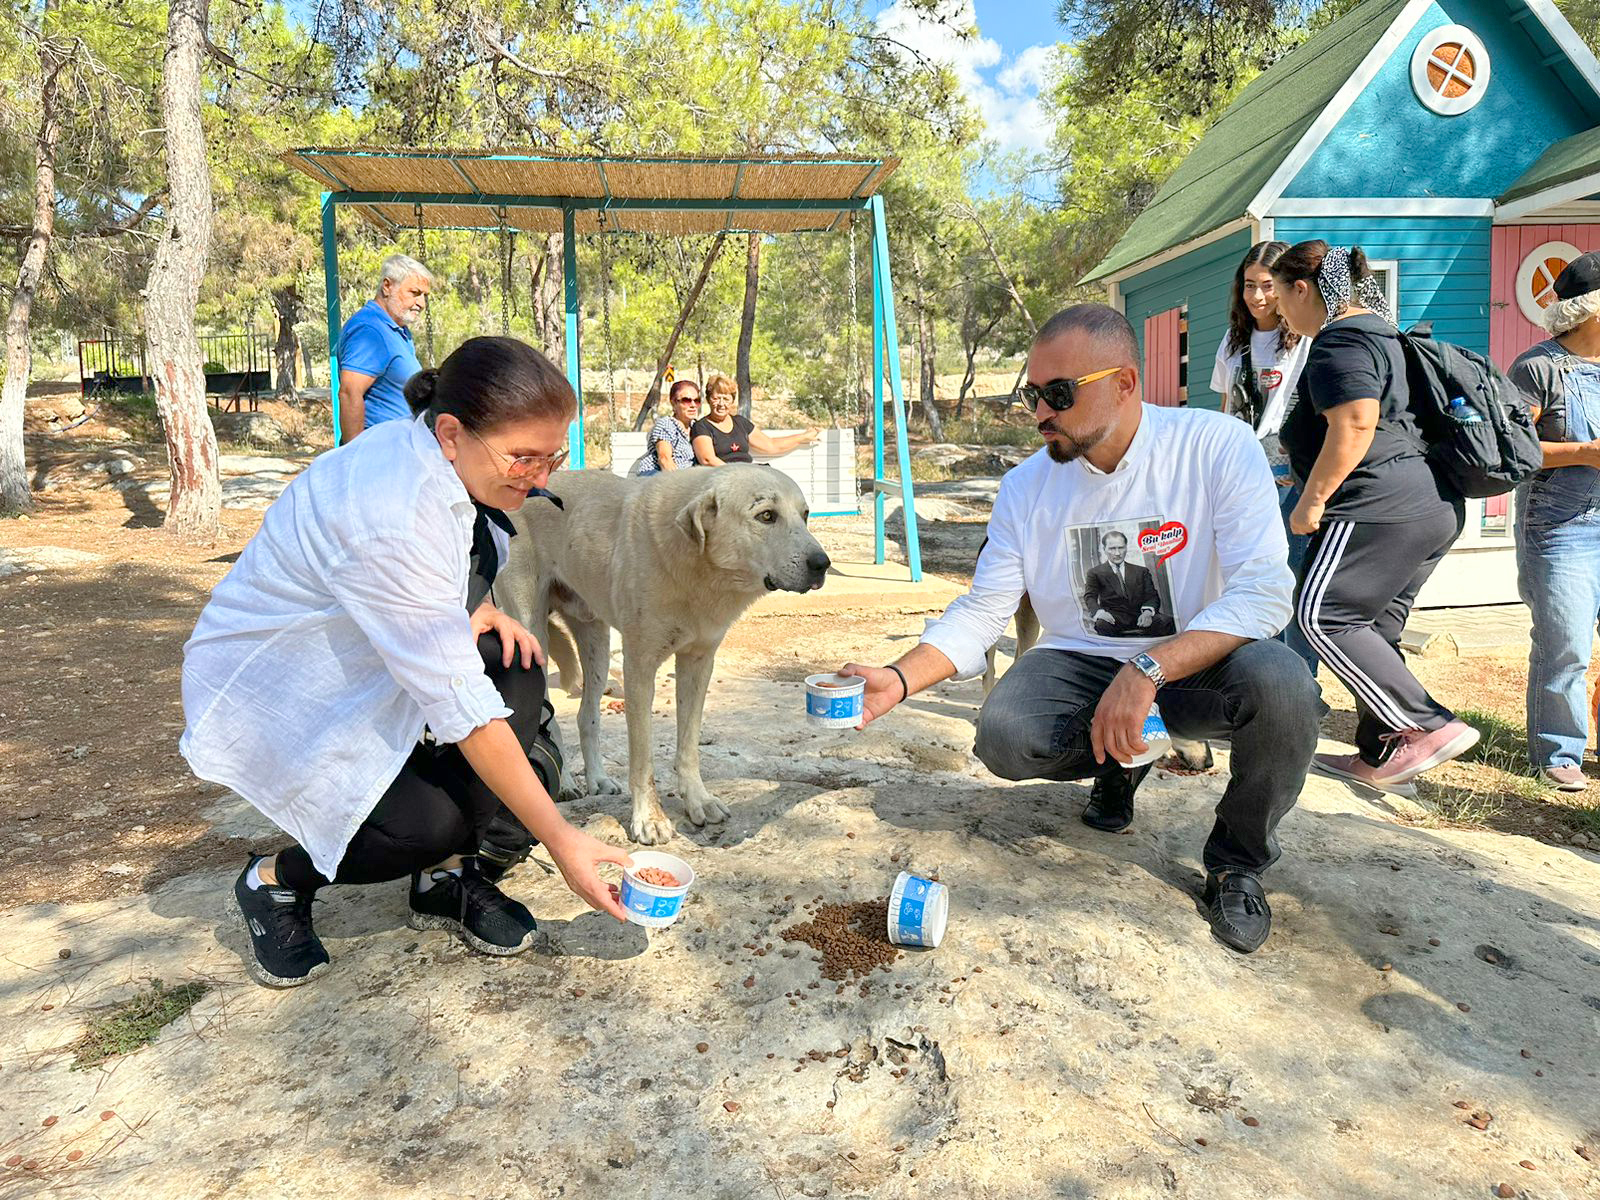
(1157, 741)
(918, 911)
(835, 701)
(647, 897)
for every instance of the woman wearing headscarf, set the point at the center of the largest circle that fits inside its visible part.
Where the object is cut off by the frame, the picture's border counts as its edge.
(1558, 523)
(1379, 518)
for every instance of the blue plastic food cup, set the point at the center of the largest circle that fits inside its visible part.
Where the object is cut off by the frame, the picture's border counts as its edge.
(918, 911)
(1157, 741)
(650, 904)
(835, 701)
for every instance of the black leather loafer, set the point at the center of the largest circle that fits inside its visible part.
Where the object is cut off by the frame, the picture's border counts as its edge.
(1110, 807)
(1238, 910)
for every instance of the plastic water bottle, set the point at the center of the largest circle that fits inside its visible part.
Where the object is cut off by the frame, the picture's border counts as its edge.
(1463, 412)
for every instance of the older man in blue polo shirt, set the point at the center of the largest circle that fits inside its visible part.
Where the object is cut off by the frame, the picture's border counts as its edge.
(376, 353)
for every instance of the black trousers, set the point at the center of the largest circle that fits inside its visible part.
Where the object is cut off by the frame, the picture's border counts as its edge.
(437, 806)
(1352, 604)
(1035, 725)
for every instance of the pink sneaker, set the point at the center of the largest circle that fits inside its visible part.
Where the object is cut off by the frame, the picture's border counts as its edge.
(1419, 751)
(1352, 768)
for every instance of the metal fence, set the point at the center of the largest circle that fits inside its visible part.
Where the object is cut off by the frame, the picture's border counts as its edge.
(236, 365)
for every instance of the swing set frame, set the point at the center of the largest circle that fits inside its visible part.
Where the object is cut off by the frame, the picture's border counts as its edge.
(406, 190)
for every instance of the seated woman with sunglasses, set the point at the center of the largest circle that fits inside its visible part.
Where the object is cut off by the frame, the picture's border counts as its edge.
(1187, 489)
(351, 678)
(666, 446)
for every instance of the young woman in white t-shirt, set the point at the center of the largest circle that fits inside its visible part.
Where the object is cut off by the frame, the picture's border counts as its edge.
(1264, 395)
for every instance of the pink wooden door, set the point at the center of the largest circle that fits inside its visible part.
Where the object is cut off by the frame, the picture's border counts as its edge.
(1162, 359)
(1518, 281)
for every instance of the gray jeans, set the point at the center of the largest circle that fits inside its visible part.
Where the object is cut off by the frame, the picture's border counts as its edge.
(1035, 725)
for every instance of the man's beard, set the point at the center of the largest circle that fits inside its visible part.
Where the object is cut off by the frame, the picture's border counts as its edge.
(409, 317)
(1064, 447)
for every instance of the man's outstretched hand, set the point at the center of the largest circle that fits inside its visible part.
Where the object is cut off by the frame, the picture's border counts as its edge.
(883, 690)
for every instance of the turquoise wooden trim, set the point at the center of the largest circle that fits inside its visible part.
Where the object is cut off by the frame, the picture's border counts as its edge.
(569, 287)
(1443, 265)
(315, 154)
(590, 203)
(330, 282)
(885, 287)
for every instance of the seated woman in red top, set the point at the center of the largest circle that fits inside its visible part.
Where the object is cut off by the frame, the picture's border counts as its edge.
(726, 437)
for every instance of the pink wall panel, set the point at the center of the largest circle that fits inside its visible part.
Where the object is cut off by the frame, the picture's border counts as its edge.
(1510, 333)
(1161, 358)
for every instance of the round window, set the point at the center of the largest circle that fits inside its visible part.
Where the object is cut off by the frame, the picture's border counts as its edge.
(1536, 278)
(1450, 70)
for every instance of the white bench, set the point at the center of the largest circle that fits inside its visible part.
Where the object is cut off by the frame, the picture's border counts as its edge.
(825, 470)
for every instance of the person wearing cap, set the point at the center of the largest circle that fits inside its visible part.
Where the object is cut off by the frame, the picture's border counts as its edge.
(1558, 523)
(1194, 484)
(376, 352)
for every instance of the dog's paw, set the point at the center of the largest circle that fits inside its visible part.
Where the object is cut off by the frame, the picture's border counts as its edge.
(652, 829)
(702, 807)
(604, 785)
(569, 788)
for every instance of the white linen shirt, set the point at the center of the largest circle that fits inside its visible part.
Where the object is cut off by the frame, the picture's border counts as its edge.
(1192, 468)
(338, 635)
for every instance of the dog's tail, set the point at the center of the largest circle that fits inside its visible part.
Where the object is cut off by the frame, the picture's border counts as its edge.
(560, 650)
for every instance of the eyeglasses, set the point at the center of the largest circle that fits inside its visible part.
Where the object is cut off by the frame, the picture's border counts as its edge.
(525, 466)
(687, 400)
(1059, 394)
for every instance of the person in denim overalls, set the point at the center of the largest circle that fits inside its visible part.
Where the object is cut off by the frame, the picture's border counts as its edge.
(1558, 524)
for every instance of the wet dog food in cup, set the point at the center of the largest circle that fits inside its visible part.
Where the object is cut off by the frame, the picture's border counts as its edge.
(835, 701)
(645, 899)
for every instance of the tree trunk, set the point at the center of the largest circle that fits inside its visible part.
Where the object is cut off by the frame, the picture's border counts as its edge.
(173, 289)
(925, 351)
(305, 363)
(1005, 276)
(653, 397)
(286, 304)
(747, 322)
(972, 340)
(15, 496)
(549, 307)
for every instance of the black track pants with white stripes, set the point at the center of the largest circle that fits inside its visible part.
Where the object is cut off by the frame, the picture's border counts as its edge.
(1352, 603)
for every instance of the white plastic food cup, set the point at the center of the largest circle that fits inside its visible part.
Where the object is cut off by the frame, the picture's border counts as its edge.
(650, 904)
(835, 701)
(1156, 739)
(919, 909)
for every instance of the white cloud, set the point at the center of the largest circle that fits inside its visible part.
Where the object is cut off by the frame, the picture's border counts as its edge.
(1006, 99)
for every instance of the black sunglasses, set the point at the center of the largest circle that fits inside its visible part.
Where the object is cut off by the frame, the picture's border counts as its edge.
(1059, 394)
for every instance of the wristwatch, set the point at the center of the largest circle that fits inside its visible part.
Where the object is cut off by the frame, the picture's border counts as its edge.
(1150, 668)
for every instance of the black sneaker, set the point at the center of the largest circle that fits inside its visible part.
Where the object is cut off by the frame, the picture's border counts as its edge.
(284, 950)
(1238, 910)
(487, 919)
(1110, 807)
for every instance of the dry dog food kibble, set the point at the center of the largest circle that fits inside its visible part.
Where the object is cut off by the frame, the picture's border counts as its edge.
(852, 937)
(656, 876)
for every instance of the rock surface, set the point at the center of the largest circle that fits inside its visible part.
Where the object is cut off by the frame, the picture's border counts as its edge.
(1078, 1034)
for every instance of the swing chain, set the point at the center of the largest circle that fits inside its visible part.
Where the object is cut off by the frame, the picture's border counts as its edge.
(605, 304)
(855, 331)
(422, 257)
(507, 242)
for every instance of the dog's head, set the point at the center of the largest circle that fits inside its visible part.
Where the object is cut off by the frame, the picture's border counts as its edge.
(751, 522)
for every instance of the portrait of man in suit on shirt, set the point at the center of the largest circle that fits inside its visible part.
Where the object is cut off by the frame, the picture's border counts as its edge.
(1120, 598)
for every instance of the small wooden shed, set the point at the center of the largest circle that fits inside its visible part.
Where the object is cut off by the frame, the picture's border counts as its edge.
(1456, 141)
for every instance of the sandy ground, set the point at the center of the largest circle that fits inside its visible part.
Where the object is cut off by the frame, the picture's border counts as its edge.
(1078, 1034)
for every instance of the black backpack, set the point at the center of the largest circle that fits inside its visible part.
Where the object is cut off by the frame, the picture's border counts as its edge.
(1477, 431)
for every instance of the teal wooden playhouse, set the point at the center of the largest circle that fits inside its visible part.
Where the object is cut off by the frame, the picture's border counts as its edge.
(1456, 141)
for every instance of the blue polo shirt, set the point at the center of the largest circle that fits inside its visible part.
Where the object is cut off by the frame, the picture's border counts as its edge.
(374, 343)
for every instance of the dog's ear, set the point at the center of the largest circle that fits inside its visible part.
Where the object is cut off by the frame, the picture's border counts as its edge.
(695, 518)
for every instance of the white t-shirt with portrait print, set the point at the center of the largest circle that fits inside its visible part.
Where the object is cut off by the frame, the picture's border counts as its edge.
(1276, 377)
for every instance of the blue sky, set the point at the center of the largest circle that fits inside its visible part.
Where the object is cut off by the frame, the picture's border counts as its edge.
(1002, 69)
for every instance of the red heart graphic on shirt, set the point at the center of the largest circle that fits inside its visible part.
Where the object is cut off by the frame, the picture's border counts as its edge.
(1164, 541)
(735, 446)
(1270, 379)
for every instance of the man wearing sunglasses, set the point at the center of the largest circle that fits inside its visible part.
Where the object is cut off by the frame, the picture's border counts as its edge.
(1198, 492)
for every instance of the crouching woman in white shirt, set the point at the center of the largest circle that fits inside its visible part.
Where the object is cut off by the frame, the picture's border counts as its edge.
(356, 620)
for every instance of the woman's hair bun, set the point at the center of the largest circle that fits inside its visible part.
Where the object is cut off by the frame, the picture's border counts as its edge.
(420, 389)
